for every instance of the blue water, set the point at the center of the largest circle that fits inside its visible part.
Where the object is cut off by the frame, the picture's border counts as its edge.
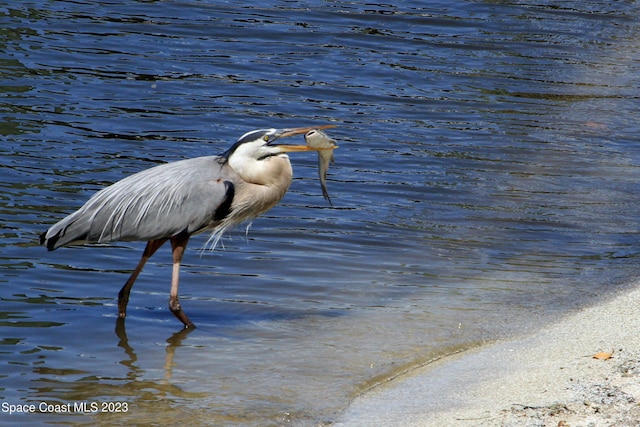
(486, 182)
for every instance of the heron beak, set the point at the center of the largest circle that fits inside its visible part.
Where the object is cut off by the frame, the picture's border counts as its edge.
(285, 133)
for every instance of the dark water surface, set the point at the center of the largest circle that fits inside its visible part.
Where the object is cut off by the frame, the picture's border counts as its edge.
(487, 180)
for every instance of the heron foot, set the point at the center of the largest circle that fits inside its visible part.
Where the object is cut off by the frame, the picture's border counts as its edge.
(176, 309)
(123, 300)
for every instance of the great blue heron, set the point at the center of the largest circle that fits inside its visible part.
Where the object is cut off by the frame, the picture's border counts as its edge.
(176, 200)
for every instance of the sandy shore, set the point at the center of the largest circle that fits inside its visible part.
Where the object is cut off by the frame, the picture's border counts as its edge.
(547, 379)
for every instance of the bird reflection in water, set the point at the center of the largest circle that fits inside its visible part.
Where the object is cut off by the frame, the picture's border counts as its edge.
(173, 343)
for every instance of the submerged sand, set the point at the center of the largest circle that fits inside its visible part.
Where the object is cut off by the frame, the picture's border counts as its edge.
(549, 378)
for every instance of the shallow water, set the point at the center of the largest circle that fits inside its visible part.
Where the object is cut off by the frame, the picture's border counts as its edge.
(486, 181)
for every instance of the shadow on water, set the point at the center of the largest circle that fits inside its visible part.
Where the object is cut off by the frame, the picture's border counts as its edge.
(105, 399)
(80, 378)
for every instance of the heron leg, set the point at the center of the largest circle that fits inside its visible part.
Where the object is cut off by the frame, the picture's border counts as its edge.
(178, 245)
(123, 295)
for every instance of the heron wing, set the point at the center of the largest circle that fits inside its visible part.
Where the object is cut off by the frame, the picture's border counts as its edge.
(186, 196)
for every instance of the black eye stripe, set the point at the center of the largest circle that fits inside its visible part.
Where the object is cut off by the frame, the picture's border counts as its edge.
(248, 137)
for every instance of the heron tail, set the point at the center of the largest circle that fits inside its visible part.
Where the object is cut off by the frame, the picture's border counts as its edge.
(63, 233)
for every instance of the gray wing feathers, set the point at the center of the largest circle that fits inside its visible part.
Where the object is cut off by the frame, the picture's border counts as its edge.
(152, 204)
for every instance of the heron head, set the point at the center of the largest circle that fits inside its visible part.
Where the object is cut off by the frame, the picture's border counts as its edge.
(260, 144)
(258, 159)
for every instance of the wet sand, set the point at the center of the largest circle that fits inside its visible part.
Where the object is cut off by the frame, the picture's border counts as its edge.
(549, 378)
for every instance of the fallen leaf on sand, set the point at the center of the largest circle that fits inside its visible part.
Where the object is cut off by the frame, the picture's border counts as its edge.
(603, 355)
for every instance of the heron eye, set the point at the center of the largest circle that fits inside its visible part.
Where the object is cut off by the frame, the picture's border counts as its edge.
(266, 138)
